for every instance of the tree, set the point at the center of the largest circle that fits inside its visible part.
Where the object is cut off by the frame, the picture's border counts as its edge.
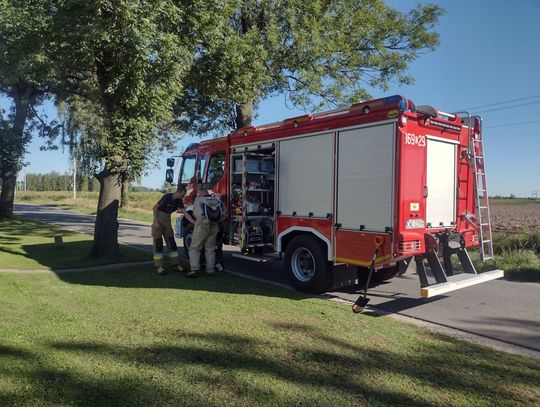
(131, 58)
(319, 53)
(26, 73)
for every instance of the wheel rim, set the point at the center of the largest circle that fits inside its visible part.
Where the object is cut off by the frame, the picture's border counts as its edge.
(303, 264)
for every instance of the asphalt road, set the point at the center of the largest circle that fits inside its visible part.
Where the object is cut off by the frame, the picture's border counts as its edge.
(501, 310)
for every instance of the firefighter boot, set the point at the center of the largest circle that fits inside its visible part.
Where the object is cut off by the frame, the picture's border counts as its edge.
(161, 271)
(179, 269)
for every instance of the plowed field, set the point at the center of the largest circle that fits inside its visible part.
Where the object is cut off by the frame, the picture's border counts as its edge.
(514, 218)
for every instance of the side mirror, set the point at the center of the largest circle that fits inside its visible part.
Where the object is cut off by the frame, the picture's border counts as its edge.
(170, 162)
(169, 175)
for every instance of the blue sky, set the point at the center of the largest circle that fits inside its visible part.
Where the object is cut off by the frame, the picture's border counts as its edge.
(489, 53)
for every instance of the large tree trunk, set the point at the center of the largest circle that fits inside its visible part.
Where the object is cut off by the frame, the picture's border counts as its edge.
(106, 226)
(9, 181)
(244, 114)
(124, 200)
(22, 98)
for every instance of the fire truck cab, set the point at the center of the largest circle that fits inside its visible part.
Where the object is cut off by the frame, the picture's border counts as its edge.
(382, 179)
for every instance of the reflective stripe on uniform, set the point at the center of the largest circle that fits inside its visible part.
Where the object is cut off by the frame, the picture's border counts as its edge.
(173, 254)
(158, 257)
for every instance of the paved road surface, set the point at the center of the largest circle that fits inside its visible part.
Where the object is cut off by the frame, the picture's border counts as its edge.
(502, 310)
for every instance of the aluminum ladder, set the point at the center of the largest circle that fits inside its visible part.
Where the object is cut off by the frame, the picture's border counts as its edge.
(476, 145)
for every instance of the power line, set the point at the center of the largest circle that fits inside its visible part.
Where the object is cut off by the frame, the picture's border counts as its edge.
(506, 116)
(512, 124)
(508, 107)
(501, 103)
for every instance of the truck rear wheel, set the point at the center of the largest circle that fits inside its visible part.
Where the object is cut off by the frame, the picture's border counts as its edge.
(306, 265)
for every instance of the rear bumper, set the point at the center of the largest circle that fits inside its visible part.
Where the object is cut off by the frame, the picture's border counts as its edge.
(460, 281)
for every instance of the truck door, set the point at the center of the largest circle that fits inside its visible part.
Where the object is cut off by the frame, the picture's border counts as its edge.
(365, 192)
(440, 183)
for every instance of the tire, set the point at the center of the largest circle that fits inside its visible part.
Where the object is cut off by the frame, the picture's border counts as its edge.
(306, 265)
(187, 234)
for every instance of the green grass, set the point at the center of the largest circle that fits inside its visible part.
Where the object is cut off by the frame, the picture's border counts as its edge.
(26, 244)
(134, 338)
(139, 207)
(514, 201)
(131, 214)
(525, 240)
(518, 254)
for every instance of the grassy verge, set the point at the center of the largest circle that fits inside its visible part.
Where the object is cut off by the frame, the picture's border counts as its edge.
(135, 338)
(512, 201)
(518, 254)
(139, 207)
(26, 244)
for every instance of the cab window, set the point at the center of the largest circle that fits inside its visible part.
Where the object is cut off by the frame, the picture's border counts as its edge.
(200, 169)
(216, 168)
(188, 169)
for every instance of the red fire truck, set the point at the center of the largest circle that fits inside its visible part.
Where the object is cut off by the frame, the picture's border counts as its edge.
(383, 179)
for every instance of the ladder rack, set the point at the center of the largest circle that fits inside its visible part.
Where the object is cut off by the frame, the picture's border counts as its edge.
(481, 192)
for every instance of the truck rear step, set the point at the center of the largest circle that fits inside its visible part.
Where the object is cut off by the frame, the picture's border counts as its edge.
(445, 279)
(460, 281)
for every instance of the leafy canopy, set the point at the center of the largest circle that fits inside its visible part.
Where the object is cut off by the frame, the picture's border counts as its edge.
(129, 59)
(319, 53)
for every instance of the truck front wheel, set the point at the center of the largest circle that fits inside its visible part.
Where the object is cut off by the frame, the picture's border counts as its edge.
(306, 265)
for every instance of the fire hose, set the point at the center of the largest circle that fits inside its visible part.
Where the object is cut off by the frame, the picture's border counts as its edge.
(362, 300)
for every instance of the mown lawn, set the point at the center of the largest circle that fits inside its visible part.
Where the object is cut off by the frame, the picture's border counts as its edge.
(134, 338)
(26, 244)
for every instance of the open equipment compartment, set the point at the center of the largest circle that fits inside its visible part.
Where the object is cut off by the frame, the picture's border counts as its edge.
(252, 206)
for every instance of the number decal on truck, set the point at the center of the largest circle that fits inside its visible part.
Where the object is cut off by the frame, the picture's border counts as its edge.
(414, 140)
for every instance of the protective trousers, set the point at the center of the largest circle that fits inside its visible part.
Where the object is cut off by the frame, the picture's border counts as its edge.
(204, 235)
(164, 230)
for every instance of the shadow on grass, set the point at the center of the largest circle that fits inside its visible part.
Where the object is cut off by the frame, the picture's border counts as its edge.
(16, 229)
(76, 254)
(322, 369)
(146, 277)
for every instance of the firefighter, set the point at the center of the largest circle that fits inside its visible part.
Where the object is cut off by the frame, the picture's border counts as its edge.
(208, 214)
(161, 228)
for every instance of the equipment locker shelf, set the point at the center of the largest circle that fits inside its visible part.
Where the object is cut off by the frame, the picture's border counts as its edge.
(252, 206)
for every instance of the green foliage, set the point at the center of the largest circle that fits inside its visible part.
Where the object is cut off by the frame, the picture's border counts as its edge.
(133, 57)
(527, 240)
(12, 147)
(24, 45)
(319, 53)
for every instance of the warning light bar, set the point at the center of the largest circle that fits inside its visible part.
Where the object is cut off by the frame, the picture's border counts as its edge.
(444, 125)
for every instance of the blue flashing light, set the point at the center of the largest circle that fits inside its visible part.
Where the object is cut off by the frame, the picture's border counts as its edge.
(395, 99)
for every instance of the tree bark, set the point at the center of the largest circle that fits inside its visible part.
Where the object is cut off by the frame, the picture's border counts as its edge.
(22, 98)
(106, 225)
(124, 200)
(244, 114)
(9, 181)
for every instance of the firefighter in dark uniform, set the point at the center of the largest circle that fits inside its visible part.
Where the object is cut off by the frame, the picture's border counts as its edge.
(161, 228)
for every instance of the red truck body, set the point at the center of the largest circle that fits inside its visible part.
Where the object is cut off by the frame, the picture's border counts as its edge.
(380, 174)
